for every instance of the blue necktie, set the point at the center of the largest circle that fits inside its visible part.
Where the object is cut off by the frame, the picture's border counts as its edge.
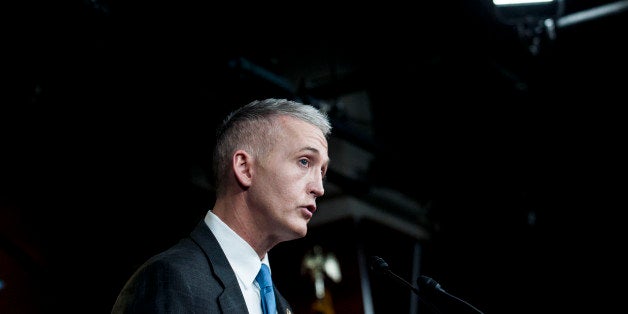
(266, 290)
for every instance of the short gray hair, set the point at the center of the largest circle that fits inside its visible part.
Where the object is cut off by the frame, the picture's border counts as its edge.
(251, 127)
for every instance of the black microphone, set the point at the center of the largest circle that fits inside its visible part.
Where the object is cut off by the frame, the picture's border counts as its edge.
(379, 265)
(425, 283)
(430, 285)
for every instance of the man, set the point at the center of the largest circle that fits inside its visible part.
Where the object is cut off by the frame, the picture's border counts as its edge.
(269, 162)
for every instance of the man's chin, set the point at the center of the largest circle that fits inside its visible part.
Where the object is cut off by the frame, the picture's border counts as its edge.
(299, 231)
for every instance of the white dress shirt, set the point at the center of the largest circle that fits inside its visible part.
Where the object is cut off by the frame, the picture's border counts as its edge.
(242, 258)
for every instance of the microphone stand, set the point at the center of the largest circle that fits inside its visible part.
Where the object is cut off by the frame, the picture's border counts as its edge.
(425, 283)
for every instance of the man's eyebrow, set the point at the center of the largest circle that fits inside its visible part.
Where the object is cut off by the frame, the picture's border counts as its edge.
(315, 151)
(309, 148)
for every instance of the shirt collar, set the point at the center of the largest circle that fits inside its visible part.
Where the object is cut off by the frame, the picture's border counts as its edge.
(241, 256)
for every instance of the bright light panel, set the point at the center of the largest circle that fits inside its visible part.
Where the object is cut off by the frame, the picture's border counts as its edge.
(514, 2)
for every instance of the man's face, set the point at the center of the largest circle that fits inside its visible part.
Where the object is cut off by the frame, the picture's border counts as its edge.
(288, 180)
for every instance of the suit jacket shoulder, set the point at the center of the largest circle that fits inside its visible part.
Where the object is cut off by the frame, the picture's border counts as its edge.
(192, 276)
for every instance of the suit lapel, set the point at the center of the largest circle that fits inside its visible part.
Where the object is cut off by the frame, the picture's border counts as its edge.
(231, 299)
(282, 304)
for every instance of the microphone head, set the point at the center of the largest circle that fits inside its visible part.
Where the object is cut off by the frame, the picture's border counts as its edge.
(378, 264)
(428, 283)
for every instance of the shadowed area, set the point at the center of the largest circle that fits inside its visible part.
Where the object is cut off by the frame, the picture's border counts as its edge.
(515, 155)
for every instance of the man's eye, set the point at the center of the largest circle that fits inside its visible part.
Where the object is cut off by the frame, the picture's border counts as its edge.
(304, 162)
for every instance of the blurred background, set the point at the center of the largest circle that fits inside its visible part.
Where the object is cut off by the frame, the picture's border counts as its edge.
(477, 145)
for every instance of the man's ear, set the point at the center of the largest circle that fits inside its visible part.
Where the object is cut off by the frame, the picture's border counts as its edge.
(242, 167)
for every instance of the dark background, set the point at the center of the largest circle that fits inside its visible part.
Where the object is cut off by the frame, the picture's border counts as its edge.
(109, 109)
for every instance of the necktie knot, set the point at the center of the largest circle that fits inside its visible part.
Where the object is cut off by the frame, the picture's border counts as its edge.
(267, 293)
(263, 277)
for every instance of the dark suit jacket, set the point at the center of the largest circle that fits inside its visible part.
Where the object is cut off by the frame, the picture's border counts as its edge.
(193, 276)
